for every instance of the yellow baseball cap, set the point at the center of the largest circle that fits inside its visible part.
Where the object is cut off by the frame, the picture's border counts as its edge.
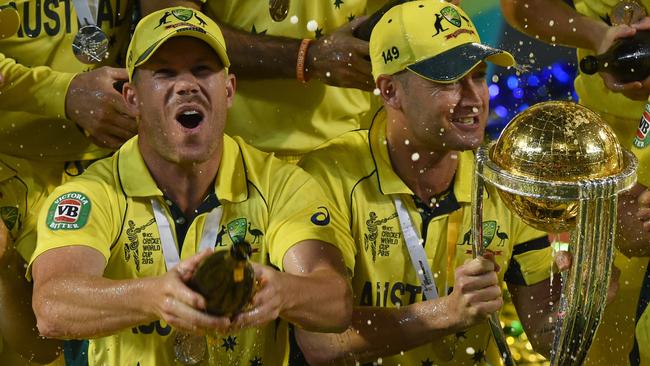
(9, 21)
(433, 38)
(154, 29)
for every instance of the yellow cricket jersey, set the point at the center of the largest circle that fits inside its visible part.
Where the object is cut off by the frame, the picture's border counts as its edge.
(355, 169)
(37, 64)
(284, 115)
(621, 113)
(269, 203)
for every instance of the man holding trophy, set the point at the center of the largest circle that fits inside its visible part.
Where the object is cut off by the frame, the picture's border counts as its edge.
(117, 246)
(406, 185)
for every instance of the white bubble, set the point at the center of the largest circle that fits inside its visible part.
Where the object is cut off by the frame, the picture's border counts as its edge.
(553, 39)
(312, 25)
(470, 350)
(474, 109)
(570, 20)
(531, 55)
(328, 74)
(550, 23)
(415, 157)
(406, 142)
(495, 78)
(380, 361)
(369, 321)
(376, 91)
(293, 19)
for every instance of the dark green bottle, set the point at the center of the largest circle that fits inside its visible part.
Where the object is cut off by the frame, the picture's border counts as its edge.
(628, 59)
(226, 280)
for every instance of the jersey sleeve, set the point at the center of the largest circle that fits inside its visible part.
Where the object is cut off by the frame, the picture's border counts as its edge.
(37, 90)
(299, 211)
(77, 213)
(532, 256)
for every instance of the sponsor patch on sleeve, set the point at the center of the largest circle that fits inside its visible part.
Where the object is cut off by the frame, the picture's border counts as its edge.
(642, 138)
(69, 212)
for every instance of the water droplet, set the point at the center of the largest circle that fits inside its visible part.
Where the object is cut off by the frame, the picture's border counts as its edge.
(474, 109)
(312, 25)
(470, 350)
(495, 78)
(328, 74)
(406, 142)
(376, 91)
(551, 23)
(415, 157)
(293, 19)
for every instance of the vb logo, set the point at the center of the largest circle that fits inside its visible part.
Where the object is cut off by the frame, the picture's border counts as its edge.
(67, 211)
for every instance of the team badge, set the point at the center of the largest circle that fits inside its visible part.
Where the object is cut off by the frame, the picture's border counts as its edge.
(9, 215)
(237, 230)
(642, 139)
(451, 15)
(183, 14)
(69, 212)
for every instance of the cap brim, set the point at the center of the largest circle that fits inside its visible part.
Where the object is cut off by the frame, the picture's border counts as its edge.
(455, 63)
(213, 42)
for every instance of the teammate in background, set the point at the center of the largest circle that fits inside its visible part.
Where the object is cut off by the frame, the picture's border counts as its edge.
(415, 167)
(21, 343)
(180, 176)
(302, 80)
(588, 27)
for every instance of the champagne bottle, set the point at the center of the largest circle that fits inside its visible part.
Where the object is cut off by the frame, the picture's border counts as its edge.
(628, 59)
(365, 28)
(226, 280)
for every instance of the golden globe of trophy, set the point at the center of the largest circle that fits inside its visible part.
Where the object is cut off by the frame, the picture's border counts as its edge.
(560, 167)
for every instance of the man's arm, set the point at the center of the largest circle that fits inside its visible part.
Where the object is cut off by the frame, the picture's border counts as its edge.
(314, 275)
(338, 59)
(73, 300)
(476, 294)
(633, 231)
(17, 322)
(553, 21)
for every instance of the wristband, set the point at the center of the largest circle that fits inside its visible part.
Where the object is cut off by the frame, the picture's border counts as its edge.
(300, 63)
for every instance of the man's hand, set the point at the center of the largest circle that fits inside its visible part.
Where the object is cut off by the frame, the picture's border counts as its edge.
(643, 212)
(94, 104)
(183, 308)
(340, 59)
(267, 303)
(564, 260)
(476, 292)
(636, 90)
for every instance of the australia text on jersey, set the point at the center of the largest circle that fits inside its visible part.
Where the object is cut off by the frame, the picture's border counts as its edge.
(46, 16)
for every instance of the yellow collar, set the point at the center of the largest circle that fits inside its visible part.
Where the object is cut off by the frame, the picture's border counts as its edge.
(136, 180)
(391, 183)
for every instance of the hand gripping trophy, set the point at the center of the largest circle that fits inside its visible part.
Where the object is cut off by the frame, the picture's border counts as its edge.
(559, 167)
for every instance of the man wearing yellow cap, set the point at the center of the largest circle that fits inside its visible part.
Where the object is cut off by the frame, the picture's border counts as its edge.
(591, 27)
(405, 189)
(117, 245)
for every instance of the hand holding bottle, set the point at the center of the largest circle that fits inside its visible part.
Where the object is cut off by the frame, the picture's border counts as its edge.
(636, 90)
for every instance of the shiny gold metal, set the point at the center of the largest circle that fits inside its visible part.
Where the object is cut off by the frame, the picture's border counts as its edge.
(556, 142)
(627, 12)
(560, 167)
(189, 349)
(279, 9)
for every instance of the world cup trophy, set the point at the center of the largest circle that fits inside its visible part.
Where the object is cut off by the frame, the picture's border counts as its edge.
(560, 167)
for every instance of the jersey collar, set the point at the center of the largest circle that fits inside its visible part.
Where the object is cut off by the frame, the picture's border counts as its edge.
(391, 183)
(136, 180)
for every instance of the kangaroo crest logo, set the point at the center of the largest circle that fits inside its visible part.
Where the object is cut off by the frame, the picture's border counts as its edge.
(183, 14)
(237, 230)
(490, 230)
(451, 15)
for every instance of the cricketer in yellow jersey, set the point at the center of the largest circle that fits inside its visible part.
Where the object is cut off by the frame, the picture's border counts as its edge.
(109, 240)
(413, 169)
(588, 27)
